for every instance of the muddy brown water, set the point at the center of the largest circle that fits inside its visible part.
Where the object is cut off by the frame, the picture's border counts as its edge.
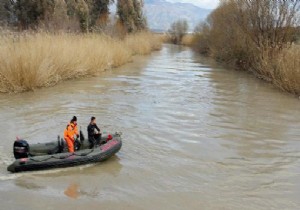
(195, 136)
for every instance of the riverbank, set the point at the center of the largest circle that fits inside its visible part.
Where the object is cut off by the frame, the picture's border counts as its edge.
(252, 42)
(234, 137)
(281, 68)
(31, 61)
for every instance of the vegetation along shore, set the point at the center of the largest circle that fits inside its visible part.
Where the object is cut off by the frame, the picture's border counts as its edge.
(257, 36)
(39, 60)
(45, 42)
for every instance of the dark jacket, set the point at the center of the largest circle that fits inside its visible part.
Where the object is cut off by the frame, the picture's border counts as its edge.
(91, 130)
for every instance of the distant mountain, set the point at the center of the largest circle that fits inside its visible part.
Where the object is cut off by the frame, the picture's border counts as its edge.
(161, 14)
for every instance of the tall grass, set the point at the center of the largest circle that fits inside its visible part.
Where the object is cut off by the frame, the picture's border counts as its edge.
(188, 40)
(31, 61)
(143, 43)
(288, 70)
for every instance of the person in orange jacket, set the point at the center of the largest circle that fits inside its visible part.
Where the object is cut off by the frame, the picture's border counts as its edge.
(69, 133)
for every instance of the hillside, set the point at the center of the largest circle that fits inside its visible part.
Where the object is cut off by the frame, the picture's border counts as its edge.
(160, 14)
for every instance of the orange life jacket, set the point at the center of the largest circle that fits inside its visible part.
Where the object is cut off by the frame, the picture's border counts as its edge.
(70, 131)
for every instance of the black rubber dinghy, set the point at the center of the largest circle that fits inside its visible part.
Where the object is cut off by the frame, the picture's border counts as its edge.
(53, 154)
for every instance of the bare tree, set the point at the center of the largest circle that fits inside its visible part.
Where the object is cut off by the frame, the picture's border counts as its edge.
(255, 35)
(178, 30)
(268, 23)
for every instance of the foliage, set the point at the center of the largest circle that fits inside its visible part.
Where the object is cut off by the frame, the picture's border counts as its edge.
(131, 15)
(99, 11)
(74, 15)
(29, 12)
(6, 12)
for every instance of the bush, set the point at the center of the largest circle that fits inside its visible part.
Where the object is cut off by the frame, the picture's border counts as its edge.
(253, 35)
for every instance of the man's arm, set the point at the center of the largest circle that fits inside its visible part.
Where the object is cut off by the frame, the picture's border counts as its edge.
(98, 129)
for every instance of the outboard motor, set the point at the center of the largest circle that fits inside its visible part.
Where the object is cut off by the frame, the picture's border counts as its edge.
(21, 149)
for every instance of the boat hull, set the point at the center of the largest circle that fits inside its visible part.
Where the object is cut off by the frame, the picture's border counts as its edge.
(60, 160)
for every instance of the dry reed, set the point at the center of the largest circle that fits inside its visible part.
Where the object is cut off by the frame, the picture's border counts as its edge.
(288, 70)
(143, 43)
(188, 40)
(31, 61)
(270, 53)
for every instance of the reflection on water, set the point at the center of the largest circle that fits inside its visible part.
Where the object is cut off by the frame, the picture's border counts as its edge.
(72, 191)
(194, 136)
(27, 184)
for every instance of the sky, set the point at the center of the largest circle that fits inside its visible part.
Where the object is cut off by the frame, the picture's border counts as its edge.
(207, 4)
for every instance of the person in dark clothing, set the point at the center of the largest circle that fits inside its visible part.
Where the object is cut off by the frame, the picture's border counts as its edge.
(94, 133)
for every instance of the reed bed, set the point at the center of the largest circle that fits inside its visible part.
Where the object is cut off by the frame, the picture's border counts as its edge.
(287, 76)
(188, 40)
(143, 43)
(31, 61)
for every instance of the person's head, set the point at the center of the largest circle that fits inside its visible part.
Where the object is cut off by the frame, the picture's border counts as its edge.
(93, 120)
(74, 120)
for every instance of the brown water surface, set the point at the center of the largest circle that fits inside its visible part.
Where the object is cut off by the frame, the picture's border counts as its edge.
(196, 136)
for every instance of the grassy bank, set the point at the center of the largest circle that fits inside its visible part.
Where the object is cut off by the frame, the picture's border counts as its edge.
(31, 61)
(281, 68)
(252, 41)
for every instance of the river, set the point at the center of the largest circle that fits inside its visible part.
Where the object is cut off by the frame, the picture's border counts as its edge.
(195, 136)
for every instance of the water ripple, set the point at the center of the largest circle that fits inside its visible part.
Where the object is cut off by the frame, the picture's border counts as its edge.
(194, 134)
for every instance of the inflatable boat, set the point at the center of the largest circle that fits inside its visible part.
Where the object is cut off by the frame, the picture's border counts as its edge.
(55, 154)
